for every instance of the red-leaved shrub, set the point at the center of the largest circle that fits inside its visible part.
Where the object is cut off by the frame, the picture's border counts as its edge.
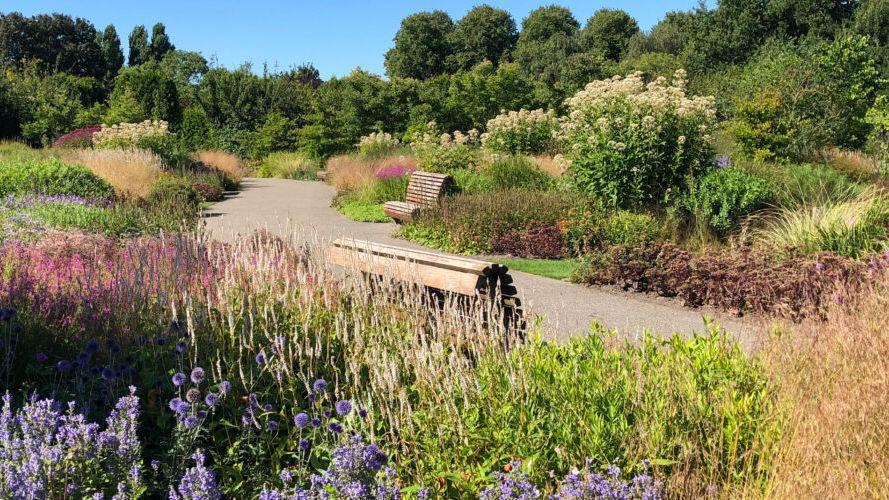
(537, 239)
(78, 138)
(742, 282)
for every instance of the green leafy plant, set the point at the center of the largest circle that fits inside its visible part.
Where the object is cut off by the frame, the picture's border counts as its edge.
(50, 176)
(725, 196)
(521, 132)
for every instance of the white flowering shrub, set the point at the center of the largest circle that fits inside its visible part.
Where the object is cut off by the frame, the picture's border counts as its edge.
(130, 134)
(633, 144)
(522, 132)
(445, 153)
(377, 144)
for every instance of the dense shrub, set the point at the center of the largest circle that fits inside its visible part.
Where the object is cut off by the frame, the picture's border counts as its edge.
(633, 144)
(521, 132)
(878, 141)
(590, 225)
(171, 190)
(472, 221)
(207, 192)
(748, 281)
(50, 176)
(377, 144)
(759, 126)
(287, 165)
(446, 153)
(513, 172)
(725, 196)
(545, 241)
(78, 138)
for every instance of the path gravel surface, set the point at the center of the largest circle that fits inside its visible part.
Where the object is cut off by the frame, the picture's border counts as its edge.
(288, 206)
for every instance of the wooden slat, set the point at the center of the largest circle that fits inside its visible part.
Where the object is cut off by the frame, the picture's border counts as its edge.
(464, 264)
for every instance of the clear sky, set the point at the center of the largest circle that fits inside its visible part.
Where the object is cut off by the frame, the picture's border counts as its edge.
(334, 35)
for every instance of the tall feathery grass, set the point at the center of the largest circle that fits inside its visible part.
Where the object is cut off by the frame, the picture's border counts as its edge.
(229, 165)
(854, 226)
(350, 172)
(130, 171)
(834, 379)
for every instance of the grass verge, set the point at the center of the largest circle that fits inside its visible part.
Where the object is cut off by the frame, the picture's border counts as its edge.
(556, 269)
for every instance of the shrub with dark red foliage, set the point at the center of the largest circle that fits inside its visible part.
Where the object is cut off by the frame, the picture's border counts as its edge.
(207, 192)
(79, 138)
(748, 281)
(540, 240)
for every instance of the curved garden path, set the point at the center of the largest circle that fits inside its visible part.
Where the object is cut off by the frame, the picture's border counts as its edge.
(288, 206)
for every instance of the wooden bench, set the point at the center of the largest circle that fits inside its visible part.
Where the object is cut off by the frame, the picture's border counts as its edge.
(424, 190)
(440, 273)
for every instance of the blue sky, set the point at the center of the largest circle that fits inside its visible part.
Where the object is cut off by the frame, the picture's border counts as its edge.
(334, 35)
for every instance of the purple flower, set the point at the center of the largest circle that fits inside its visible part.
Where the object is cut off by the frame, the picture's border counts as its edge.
(181, 347)
(311, 398)
(268, 407)
(178, 379)
(304, 444)
(179, 406)
(108, 374)
(327, 413)
(722, 161)
(197, 375)
(320, 385)
(225, 387)
(92, 347)
(286, 476)
(192, 395)
(272, 425)
(819, 266)
(301, 420)
(393, 171)
(260, 359)
(211, 399)
(343, 407)
(335, 427)
(41, 357)
(191, 422)
(63, 366)
(362, 413)
(197, 482)
(316, 422)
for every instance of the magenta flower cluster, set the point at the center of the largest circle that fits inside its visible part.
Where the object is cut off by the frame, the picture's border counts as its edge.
(80, 137)
(393, 171)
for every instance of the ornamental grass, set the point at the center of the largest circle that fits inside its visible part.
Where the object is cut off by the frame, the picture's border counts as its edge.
(131, 171)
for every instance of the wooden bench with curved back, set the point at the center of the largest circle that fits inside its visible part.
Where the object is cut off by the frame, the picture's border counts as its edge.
(424, 190)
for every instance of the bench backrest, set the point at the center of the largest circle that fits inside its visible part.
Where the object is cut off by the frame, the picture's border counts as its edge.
(426, 188)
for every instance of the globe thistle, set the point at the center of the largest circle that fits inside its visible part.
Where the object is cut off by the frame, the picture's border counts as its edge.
(41, 357)
(211, 399)
(191, 422)
(304, 444)
(180, 348)
(108, 374)
(178, 379)
(272, 425)
(193, 395)
(320, 385)
(197, 375)
(362, 413)
(225, 387)
(260, 359)
(301, 420)
(343, 407)
(335, 427)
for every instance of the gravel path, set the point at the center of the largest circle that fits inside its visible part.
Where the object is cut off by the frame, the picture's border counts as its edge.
(287, 206)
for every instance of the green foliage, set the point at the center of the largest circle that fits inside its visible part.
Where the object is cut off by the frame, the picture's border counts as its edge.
(485, 33)
(116, 220)
(170, 190)
(609, 32)
(872, 19)
(522, 132)
(421, 46)
(160, 42)
(878, 141)
(473, 97)
(446, 153)
(144, 92)
(549, 36)
(760, 127)
(630, 229)
(50, 176)
(51, 43)
(609, 404)
(276, 134)
(111, 52)
(174, 154)
(194, 131)
(507, 172)
(363, 212)
(140, 51)
(285, 165)
(724, 196)
(633, 145)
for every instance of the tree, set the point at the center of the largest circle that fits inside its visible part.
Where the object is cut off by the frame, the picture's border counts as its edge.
(484, 33)
(799, 18)
(140, 52)
(421, 46)
(144, 92)
(608, 32)
(111, 51)
(307, 74)
(53, 42)
(160, 42)
(549, 36)
(872, 19)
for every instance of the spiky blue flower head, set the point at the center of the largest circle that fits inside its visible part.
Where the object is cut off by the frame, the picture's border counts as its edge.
(225, 387)
(63, 366)
(197, 375)
(320, 385)
(335, 427)
(311, 398)
(316, 422)
(362, 412)
(178, 379)
(268, 407)
(211, 399)
(191, 422)
(92, 347)
(260, 359)
(177, 405)
(160, 341)
(108, 374)
(193, 395)
(301, 420)
(272, 425)
(304, 444)
(286, 476)
(180, 348)
(343, 407)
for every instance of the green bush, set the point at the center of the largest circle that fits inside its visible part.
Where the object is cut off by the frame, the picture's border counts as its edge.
(805, 184)
(288, 165)
(473, 220)
(675, 402)
(724, 196)
(21, 175)
(171, 190)
(630, 229)
(632, 144)
(760, 127)
(117, 220)
(446, 153)
(175, 154)
(513, 172)
(363, 212)
(522, 132)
